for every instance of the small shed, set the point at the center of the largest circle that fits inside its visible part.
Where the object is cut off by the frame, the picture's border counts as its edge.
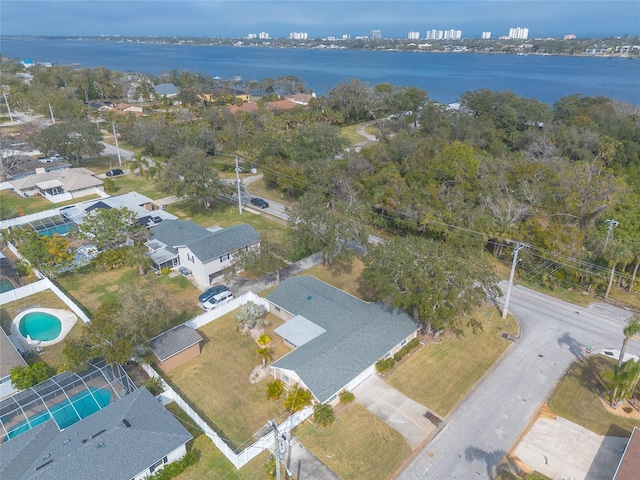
(176, 347)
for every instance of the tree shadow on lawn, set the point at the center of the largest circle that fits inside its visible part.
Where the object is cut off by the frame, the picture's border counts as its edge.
(589, 373)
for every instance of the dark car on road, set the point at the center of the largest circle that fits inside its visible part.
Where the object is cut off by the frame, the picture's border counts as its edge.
(207, 294)
(115, 172)
(259, 202)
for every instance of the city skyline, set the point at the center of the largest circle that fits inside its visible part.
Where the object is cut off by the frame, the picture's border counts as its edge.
(239, 18)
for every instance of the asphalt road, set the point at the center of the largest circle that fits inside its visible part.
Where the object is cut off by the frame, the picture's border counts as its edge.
(478, 434)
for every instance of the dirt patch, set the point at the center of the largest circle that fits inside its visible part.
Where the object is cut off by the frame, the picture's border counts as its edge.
(259, 373)
(628, 408)
(546, 412)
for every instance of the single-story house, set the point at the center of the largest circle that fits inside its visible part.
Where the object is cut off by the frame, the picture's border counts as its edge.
(205, 253)
(58, 185)
(129, 439)
(301, 98)
(221, 90)
(279, 105)
(148, 212)
(168, 90)
(9, 358)
(176, 346)
(27, 166)
(337, 338)
(248, 107)
(629, 466)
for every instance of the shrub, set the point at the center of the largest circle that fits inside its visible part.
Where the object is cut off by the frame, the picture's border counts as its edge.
(165, 271)
(323, 414)
(25, 377)
(112, 259)
(154, 385)
(175, 468)
(23, 269)
(383, 366)
(297, 399)
(406, 349)
(275, 389)
(347, 397)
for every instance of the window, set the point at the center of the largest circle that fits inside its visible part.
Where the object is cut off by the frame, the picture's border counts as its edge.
(277, 308)
(224, 258)
(333, 398)
(165, 460)
(387, 355)
(403, 342)
(285, 378)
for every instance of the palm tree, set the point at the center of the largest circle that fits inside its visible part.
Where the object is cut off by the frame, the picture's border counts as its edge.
(139, 163)
(633, 328)
(265, 354)
(137, 257)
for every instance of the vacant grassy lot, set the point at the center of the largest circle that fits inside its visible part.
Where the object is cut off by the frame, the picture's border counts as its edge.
(217, 382)
(577, 398)
(358, 446)
(439, 375)
(89, 287)
(211, 462)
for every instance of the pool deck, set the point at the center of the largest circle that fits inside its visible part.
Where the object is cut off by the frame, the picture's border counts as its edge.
(67, 318)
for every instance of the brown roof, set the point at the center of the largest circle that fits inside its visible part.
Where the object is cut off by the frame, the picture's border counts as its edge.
(248, 107)
(281, 105)
(629, 467)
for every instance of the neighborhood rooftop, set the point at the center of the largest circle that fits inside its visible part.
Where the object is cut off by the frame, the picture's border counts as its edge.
(174, 341)
(356, 335)
(119, 441)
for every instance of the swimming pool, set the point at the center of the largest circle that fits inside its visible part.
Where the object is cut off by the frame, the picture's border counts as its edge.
(5, 285)
(67, 412)
(59, 229)
(41, 326)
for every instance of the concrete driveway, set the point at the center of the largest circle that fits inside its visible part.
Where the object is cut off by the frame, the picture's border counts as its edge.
(560, 449)
(395, 409)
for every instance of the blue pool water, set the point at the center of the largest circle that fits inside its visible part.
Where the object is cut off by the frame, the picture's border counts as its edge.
(85, 403)
(5, 285)
(59, 229)
(40, 326)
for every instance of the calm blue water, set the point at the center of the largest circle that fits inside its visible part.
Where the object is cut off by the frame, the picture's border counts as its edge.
(40, 326)
(445, 76)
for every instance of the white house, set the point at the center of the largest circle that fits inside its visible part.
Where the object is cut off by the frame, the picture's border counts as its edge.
(58, 185)
(337, 337)
(206, 253)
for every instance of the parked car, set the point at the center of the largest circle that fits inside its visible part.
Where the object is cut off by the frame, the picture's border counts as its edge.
(259, 202)
(115, 172)
(210, 292)
(184, 271)
(217, 300)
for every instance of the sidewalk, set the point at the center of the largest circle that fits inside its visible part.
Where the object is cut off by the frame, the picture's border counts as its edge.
(305, 465)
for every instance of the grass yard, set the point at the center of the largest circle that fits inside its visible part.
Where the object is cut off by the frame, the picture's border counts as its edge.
(225, 215)
(577, 399)
(344, 279)
(11, 203)
(258, 188)
(211, 462)
(439, 375)
(52, 354)
(217, 381)
(89, 287)
(358, 446)
(136, 183)
(350, 133)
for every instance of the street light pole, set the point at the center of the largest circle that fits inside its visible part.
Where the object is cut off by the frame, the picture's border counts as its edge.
(238, 182)
(513, 271)
(276, 447)
(7, 102)
(53, 119)
(115, 136)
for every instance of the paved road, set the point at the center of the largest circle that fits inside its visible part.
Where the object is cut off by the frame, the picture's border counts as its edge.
(477, 435)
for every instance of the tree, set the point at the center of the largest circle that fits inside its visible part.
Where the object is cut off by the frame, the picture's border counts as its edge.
(434, 281)
(111, 227)
(189, 174)
(72, 140)
(323, 414)
(25, 377)
(50, 255)
(251, 315)
(139, 163)
(265, 354)
(137, 257)
(632, 329)
(329, 226)
(266, 260)
(297, 399)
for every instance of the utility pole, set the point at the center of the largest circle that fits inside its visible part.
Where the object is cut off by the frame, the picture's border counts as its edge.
(115, 136)
(274, 425)
(7, 102)
(513, 271)
(611, 223)
(53, 119)
(238, 182)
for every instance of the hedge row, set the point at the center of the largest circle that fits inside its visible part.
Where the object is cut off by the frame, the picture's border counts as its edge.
(413, 343)
(175, 468)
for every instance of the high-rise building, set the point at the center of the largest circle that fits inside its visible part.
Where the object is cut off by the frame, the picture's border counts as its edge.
(452, 34)
(486, 35)
(413, 36)
(263, 36)
(298, 36)
(376, 34)
(346, 36)
(252, 36)
(435, 35)
(519, 33)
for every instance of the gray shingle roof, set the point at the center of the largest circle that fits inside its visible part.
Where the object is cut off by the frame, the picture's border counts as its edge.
(166, 89)
(204, 244)
(174, 341)
(116, 451)
(357, 333)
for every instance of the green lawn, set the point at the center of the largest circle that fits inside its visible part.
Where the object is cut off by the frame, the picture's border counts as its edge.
(136, 183)
(439, 375)
(358, 446)
(577, 399)
(217, 382)
(211, 462)
(10, 204)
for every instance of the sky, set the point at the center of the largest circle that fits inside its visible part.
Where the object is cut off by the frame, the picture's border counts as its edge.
(318, 18)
